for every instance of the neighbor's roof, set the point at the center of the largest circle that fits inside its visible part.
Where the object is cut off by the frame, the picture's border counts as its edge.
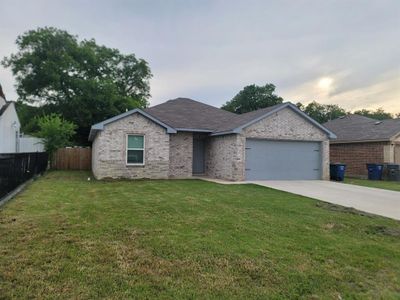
(4, 107)
(356, 128)
(184, 114)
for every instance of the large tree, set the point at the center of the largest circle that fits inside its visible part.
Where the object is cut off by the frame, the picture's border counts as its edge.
(253, 97)
(80, 80)
(322, 112)
(378, 114)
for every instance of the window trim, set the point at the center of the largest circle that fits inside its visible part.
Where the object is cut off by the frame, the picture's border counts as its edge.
(142, 149)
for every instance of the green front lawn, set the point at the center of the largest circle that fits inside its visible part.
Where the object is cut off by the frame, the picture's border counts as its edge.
(67, 237)
(380, 184)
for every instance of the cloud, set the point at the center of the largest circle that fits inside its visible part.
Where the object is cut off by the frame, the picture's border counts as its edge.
(209, 50)
(370, 96)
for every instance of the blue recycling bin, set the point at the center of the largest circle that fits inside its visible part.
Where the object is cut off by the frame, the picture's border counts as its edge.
(337, 171)
(375, 171)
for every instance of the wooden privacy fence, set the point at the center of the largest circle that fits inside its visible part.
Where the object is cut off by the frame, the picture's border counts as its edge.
(72, 158)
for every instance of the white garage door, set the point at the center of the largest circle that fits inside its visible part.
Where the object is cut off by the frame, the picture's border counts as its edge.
(282, 160)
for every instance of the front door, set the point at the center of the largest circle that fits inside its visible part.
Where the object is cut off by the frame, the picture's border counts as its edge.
(198, 155)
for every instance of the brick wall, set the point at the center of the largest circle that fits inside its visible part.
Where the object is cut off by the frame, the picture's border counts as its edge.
(181, 155)
(109, 149)
(288, 125)
(357, 155)
(397, 154)
(225, 157)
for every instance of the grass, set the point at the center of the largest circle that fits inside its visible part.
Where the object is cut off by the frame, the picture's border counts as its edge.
(380, 184)
(66, 237)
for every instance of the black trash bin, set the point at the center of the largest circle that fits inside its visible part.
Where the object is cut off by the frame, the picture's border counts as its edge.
(337, 171)
(393, 172)
(375, 171)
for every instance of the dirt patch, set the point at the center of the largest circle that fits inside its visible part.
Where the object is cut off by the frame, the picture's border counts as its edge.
(383, 230)
(339, 208)
(332, 226)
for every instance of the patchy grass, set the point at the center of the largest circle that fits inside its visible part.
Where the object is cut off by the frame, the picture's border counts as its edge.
(380, 184)
(66, 237)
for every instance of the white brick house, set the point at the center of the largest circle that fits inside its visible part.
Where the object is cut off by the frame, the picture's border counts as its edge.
(182, 138)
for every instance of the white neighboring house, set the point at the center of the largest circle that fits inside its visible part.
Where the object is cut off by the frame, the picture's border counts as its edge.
(29, 143)
(11, 140)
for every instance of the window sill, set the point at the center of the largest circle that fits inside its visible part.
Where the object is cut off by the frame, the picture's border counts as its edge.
(135, 165)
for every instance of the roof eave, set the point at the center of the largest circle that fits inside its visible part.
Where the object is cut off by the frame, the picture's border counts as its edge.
(359, 141)
(100, 126)
(396, 136)
(225, 132)
(92, 134)
(194, 130)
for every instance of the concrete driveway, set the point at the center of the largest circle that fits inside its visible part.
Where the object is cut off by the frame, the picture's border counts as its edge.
(375, 201)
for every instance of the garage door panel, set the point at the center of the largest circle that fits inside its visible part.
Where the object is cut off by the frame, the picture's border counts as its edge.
(282, 160)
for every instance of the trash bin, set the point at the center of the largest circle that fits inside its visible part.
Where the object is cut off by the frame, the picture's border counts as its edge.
(375, 171)
(337, 171)
(393, 172)
(385, 172)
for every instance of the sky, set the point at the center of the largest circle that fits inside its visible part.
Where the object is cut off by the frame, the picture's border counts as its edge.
(334, 52)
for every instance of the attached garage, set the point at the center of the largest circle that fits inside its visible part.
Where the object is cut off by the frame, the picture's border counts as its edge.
(282, 160)
(182, 137)
(285, 144)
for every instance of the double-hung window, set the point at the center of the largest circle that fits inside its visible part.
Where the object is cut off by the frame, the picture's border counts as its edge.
(135, 149)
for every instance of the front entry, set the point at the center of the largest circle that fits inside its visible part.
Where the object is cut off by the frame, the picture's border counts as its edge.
(198, 154)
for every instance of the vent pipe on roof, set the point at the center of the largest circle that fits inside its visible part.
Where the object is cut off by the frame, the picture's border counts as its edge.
(378, 122)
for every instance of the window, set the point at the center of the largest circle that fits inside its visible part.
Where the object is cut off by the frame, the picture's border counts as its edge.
(135, 150)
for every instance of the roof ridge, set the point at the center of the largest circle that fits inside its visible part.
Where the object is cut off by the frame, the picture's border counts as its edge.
(193, 101)
(264, 108)
(349, 116)
(365, 117)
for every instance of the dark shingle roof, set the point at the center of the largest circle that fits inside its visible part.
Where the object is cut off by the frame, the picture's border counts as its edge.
(355, 128)
(190, 114)
(4, 107)
(187, 114)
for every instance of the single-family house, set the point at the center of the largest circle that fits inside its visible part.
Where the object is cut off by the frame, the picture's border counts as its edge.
(9, 126)
(11, 139)
(361, 140)
(182, 138)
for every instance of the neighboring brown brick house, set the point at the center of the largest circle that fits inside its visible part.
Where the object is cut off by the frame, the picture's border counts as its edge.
(182, 137)
(361, 140)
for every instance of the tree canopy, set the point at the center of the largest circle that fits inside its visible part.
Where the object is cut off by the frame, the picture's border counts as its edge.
(378, 114)
(80, 80)
(253, 97)
(322, 112)
(55, 132)
(28, 116)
